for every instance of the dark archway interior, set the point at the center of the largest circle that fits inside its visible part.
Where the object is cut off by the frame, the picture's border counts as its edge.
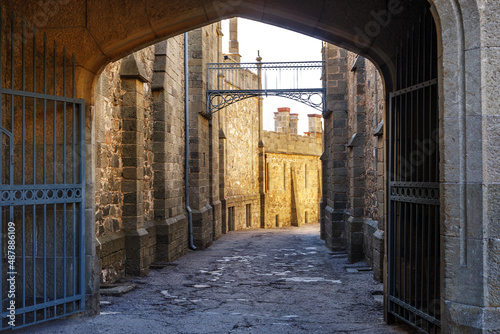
(99, 32)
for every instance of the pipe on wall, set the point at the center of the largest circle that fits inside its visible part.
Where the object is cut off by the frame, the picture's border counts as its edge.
(186, 140)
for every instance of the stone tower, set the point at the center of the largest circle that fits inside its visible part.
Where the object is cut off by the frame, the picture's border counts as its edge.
(234, 45)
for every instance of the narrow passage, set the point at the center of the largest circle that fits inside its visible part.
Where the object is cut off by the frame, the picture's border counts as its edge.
(260, 281)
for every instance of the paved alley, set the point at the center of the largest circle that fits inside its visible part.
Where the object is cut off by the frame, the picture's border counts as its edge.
(259, 281)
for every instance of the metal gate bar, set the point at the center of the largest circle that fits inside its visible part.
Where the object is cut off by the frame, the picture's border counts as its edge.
(413, 230)
(42, 182)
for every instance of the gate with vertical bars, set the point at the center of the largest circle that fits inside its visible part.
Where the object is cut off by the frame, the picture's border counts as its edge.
(413, 226)
(42, 194)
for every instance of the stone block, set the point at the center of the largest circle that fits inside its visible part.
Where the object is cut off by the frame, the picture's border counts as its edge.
(111, 242)
(132, 68)
(133, 222)
(133, 173)
(132, 125)
(135, 243)
(492, 199)
(132, 186)
(457, 278)
(378, 265)
(133, 150)
(493, 273)
(491, 151)
(462, 318)
(379, 241)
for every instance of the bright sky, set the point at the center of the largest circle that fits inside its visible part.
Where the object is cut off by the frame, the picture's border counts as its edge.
(275, 45)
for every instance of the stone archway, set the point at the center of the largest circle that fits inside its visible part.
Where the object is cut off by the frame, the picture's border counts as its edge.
(98, 32)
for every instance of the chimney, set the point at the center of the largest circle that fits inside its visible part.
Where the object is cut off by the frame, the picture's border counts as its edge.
(315, 126)
(234, 46)
(282, 120)
(294, 123)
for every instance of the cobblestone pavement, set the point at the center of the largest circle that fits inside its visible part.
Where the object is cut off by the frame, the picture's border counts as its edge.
(260, 281)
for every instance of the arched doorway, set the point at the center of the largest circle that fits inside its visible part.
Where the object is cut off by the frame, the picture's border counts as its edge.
(99, 32)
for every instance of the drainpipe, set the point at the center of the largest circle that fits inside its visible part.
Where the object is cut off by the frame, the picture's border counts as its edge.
(186, 141)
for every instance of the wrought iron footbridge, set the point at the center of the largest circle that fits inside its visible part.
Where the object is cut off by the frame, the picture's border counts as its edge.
(229, 83)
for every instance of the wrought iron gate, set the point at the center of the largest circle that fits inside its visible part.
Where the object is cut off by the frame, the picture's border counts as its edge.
(42, 194)
(413, 240)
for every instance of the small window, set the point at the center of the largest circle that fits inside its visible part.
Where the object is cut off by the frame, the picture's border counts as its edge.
(230, 218)
(305, 176)
(305, 217)
(249, 215)
(277, 221)
(267, 177)
(284, 176)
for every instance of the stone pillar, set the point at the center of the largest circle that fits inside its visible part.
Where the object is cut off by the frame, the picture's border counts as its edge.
(234, 45)
(222, 178)
(262, 151)
(168, 148)
(214, 174)
(356, 162)
(133, 75)
(215, 38)
(334, 200)
(92, 270)
(203, 142)
(469, 169)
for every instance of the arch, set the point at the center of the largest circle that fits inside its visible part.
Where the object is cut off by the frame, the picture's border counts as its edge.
(102, 31)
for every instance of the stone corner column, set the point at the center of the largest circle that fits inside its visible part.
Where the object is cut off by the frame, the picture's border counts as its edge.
(132, 112)
(92, 270)
(334, 201)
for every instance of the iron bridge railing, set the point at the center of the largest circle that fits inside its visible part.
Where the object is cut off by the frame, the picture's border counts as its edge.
(229, 83)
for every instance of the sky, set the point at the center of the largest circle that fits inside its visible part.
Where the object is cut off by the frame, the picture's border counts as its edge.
(276, 45)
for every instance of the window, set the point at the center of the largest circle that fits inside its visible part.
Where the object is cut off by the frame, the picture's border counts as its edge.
(305, 176)
(284, 176)
(277, 221)
(305, 217)
(249, 215)
(267, 177)
(230, 218)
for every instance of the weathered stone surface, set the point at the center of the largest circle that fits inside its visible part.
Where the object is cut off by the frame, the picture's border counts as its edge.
(115, 290)
(355, 168)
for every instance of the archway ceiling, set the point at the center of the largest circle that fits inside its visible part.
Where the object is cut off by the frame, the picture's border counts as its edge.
(99, 31)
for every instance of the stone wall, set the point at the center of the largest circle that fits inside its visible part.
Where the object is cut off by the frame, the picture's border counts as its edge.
(335, 182)
(139, 206)
(204, 47)
(292, 169)
(140, 210)
(168, 148)
(239, 147)
(292, 197)
(114, 97)
(353, 192)
(292, 144)
(375, 182)
(140, 197)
